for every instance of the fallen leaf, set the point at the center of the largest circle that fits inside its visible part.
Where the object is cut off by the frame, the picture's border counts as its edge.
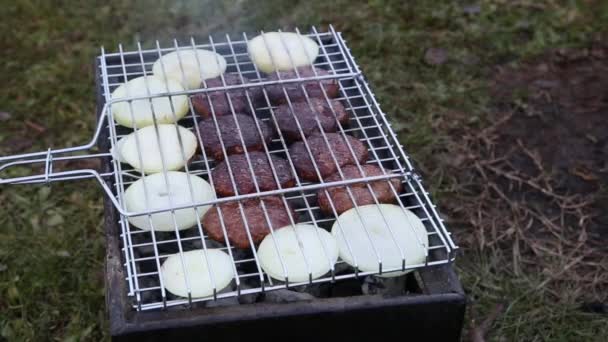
(43, 193)
(55, 220)
(436, 56)
(584, 173)
(13, 293)
(35, 126)
(546, 84)
(63, 253)
(592, 138)
(35, 223)
(471, 9)
(470, 60)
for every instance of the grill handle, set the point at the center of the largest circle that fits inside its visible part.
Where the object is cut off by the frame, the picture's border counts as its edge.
(48, 157)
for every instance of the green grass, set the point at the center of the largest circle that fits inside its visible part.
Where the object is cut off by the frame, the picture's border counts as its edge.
(51, 245)
(526, 314)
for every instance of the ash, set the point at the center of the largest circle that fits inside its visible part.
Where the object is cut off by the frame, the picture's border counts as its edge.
(374, 285)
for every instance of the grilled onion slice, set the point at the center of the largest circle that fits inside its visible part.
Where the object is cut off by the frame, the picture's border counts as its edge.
(282, 51)
(129, 151)
(408, 231)
(319, 247)
(141, 113)
(189, 67)
(200, 278)
(156, 194)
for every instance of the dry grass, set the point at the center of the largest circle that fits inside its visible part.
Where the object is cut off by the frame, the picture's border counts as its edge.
(527, 193)
(551, 240)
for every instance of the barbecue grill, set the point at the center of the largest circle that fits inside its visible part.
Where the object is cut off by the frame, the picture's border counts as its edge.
(430, 301)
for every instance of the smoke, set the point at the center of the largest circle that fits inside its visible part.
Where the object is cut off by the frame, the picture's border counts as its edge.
(167, 20)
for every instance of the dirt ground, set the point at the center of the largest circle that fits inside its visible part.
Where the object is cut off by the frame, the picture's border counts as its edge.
(533, 180)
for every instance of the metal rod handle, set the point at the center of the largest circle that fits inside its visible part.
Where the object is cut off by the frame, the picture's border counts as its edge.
(49, 156)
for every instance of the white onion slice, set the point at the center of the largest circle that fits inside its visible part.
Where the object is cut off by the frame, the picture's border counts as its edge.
(190, 67)
(290, 251)
(116, 151)
(158, 198)
(165, 111)
(409, 234)
(150, 151)
(282, 51)
(197, 273)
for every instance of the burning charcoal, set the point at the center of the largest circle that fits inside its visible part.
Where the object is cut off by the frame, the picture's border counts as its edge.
(238, 254)
(372, 285)
(147, 248)
(149, 296)
(248, 298)
(286, 296)
(222, 302)
(198, 243)
(315, 290)
(168, 248)
(342, 267)
(345, 288)
(385, 286)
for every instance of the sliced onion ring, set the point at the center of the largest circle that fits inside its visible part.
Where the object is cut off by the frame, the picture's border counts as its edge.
(189, 67)
(158, 198)
(408, 231)
(141, 113)
(282, 51)
(197, 273)
(319, 247)
(149, 148)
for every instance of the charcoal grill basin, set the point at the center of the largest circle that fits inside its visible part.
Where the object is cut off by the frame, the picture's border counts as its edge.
(437, 313)
(434, 311)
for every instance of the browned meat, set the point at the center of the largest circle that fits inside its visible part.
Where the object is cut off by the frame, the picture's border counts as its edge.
(230, 135)
(322, 156)
(307, 114)
(361, 194)
(278, 215)
(220, 103)
(276, 95)
(242, 174)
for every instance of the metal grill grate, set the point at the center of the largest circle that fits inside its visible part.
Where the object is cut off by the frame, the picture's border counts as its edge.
(144, 251)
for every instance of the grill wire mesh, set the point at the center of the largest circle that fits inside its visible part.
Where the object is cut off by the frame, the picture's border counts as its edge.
(145, 251)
